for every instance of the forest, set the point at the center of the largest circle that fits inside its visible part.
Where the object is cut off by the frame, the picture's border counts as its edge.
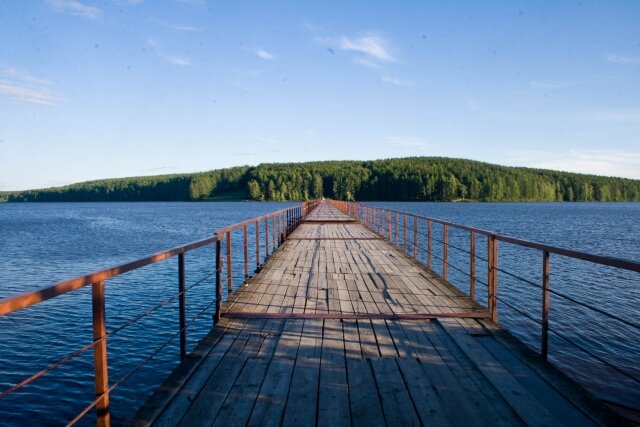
(401, 179)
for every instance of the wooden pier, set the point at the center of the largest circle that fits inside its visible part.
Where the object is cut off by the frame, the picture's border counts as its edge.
(340, 327)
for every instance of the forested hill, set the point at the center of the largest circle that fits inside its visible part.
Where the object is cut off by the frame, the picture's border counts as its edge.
(416, 178)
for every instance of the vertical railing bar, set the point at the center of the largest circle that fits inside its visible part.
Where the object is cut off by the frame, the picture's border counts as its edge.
(388, 225)
(245, 238)
(472, 265)
(100, 363)
(182, 306)
(445, 246)
(218, 296)
(415, 237)
(489, 274)
(266, 237)
(544, 336)
(229, 265)
(493, 277)
(257, 245)
(395, 236)
(404, 232)
(429, 227)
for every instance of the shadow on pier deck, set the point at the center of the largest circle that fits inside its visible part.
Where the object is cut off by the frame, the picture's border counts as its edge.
(342, 328)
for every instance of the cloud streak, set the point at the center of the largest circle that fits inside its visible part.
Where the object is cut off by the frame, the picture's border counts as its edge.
(169, 57)
(25, 94)
(24, 87)
(75, 8)
(395, 82)
(619, 163)
(264, 54)
(621, 59)
(371, 45)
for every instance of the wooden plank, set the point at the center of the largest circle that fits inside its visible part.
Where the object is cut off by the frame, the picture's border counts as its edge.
(426, 401)
(237, 406)
(213, 394)
(301, 405)
(459, 409)
(479, 391)
(523, 403)
(396, 403)
(333, 399)
(364, 402)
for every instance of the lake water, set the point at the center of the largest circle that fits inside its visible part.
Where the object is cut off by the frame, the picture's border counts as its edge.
(44, 243)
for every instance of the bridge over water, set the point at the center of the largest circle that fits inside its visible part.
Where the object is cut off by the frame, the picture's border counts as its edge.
(340, 326)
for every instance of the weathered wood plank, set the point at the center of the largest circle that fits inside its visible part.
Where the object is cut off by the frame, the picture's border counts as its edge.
(333, 399)
(364, 401)
(396, 403)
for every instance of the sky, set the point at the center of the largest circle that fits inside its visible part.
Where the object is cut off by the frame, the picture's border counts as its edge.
(114, 88)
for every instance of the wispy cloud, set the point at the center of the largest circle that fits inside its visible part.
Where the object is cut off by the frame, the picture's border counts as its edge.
(176, 27)
(169, 57)
(181, 61)
(621, 59)
(370, 50)
(75, 8)
(23, 86)
(408, 142)
(615, 162)
(264, 54)
(396, 82)
(24, 94)
(371, 45)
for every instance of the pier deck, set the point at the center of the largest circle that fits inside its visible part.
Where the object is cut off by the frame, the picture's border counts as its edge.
(341, 328)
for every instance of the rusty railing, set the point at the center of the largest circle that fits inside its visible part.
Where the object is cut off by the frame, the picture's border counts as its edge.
(275, 227)
(393, 225)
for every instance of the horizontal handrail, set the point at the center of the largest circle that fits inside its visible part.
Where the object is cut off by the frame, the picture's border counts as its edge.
(571, 253)
(26, 299)
(392, 225)
(283, 221)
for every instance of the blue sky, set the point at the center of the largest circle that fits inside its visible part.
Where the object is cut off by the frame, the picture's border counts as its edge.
(112, 88)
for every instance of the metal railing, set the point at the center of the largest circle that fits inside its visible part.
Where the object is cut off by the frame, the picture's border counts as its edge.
(394, 225)
(275, 227)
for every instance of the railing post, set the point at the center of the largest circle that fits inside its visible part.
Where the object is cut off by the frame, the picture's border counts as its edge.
(492, 276)
(229, 265)
(375, 224)
(404, 232)
(388, 226)
(274, 233)
(472, 265)
(246, 251)
(257, 245)
(266, 237)
(182, 307)
(415, 237)
(216, 318)
(429, 244)
(100, 364)
(395, 235)
(544, 336)
(445, 264)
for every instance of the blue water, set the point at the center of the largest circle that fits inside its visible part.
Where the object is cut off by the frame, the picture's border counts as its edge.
(44, 243)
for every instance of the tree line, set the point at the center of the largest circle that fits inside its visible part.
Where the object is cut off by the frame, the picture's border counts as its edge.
(403, 179)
